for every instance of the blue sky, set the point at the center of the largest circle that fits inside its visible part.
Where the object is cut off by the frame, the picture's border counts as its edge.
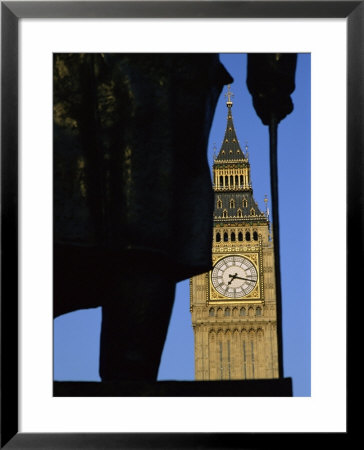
(76, 335)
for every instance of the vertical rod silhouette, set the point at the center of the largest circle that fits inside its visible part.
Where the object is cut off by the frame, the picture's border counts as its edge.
(273, 154)
(271, 81)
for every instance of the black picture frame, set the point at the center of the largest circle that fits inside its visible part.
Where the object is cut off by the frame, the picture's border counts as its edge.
(11, 12)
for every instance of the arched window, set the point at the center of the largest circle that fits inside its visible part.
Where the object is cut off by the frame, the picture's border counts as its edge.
(232, 203)
(258, 311)
(236, 178)
(245, 203)
(255, 236)
(247, 236)
(227, 312)
(232, 237)
(211, 312)
(231, 179)
(239, 213)
(226, 180)
(226, 237)
(242, 312)
(224, 214)
(219, 203)
(252, 212)
(221, 181)
(218, 237)
(241, 180)
(240, 236)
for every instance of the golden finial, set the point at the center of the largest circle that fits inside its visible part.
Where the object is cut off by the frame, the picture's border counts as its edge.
(266, 205)
(246, 150)
(229, 94)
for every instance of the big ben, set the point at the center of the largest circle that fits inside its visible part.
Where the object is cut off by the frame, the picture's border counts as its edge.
(233, 307)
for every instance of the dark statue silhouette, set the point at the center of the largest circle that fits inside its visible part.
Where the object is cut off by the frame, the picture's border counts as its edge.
(133, 200)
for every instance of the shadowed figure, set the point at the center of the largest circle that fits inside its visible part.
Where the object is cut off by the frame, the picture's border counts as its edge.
(133, 201)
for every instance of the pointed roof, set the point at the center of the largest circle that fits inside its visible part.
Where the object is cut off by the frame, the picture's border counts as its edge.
(234, 201)
(230, 147)
(241, 201)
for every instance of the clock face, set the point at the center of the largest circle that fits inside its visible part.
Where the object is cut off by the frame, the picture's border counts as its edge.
(234, 276)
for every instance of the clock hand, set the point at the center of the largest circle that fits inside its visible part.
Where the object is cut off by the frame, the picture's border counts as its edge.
(247, 279)
(240, 278)
(232, 278)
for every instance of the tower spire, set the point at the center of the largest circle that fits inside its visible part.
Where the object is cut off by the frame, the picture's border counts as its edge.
(230, 147)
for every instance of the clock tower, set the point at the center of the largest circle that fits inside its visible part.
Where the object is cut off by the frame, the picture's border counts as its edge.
(233, 306)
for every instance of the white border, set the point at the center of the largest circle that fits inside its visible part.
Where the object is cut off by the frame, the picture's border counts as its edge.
(325, 410)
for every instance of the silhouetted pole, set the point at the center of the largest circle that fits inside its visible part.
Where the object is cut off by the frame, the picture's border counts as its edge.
(271, 80)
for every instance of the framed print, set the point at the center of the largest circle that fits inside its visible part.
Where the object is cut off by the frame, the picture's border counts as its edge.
(162, 423)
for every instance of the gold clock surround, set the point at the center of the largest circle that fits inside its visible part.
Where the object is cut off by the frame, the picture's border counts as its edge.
(255, 296)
